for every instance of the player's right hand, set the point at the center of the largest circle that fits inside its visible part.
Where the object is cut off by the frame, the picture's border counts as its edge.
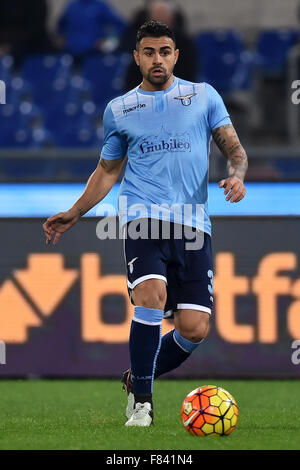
(59, 223)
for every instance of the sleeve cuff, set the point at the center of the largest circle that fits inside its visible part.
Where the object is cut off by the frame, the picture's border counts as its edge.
(222, 122)
(105, 156)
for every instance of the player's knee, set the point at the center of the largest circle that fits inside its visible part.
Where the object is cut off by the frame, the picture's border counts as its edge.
(147, 296)
(196, 332)
(151, 300)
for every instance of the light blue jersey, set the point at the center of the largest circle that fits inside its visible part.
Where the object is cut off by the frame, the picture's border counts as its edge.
(166, 135)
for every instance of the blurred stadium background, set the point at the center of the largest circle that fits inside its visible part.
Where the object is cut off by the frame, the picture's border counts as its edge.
(64, 311)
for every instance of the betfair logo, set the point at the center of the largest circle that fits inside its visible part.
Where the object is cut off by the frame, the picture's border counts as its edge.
(34, 293)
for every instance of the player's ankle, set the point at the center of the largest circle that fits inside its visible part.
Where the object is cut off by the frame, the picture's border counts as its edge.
(143, 398)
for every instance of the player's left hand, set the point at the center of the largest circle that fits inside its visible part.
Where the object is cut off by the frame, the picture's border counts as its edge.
(234, 188)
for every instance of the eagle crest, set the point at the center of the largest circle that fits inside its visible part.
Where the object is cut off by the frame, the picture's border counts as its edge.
(186, 100)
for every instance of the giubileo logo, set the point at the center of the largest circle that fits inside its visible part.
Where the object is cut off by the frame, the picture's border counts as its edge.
(186, 100)
(166, 143)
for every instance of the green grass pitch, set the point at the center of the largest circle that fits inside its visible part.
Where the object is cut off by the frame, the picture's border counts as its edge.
(90, 414)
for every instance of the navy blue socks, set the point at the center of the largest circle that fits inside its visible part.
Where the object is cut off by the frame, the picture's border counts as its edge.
(144, 346)
(151, 355)
(174, 351)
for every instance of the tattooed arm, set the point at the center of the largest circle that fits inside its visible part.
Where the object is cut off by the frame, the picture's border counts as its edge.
(237, 163)
(98, 186)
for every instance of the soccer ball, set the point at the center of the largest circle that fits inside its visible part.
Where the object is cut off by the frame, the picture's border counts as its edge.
(209, 411)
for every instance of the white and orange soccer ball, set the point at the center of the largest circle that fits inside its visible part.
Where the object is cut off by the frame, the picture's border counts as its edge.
(209, 411)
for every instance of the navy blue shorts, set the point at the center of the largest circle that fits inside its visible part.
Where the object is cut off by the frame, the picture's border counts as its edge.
(188, 273)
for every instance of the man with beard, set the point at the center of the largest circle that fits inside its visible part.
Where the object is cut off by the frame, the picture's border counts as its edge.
(164, 125)
(164, 12)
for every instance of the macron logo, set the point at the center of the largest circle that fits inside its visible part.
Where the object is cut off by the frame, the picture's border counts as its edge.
(133, 108)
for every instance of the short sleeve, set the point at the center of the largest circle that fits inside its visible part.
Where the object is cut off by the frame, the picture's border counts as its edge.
(217, 113)
(114, 145)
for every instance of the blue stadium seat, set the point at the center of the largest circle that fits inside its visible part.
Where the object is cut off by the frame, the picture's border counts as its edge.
(9, 118)
(18, 90)
(41, 138)
(12, 121)
(223, 61)
(83, 136)
(42, 71)
(16, 122)
(29, 113)
(73, 125)
(61, 92)
(272, 50)
(77, 90)
(106, 74)
(75, 138)
(98, 137)
(72, 114)
(80, 88)
(62, 116)
(19, 137)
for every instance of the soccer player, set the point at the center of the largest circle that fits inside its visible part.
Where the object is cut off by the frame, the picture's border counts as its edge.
(165, 126)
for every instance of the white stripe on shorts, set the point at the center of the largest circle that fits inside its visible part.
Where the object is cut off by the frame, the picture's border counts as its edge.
(144, 278)
(200, 308)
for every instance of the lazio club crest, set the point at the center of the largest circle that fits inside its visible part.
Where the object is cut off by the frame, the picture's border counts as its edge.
(185, 100)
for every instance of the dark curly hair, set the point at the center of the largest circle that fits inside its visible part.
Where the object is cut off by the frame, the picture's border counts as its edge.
(154, 29)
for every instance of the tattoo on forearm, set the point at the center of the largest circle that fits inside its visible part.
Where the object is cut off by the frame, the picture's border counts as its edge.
(228, 142)
(237, 164)
(218, 135)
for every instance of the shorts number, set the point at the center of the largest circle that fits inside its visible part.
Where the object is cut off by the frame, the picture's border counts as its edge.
(211, 283)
